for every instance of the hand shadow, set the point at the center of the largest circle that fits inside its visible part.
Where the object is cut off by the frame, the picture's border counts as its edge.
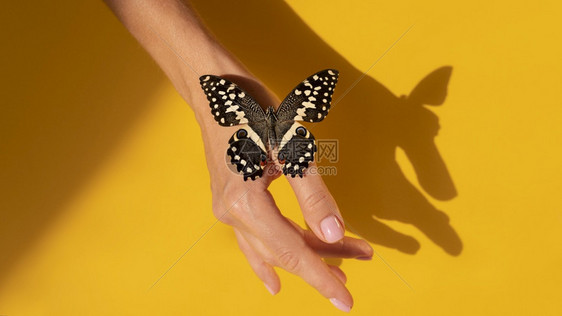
(369, 122)
(370, 184)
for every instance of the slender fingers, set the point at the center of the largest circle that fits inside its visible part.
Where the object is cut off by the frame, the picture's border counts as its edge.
(281, 244)
(263, 270)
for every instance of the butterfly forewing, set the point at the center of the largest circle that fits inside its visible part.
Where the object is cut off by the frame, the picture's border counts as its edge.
(229, 104)
(309, 101)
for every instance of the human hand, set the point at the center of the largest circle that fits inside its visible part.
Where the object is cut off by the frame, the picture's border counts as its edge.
(266, 237)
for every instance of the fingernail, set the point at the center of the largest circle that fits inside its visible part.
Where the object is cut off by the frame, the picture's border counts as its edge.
(332, 229)
(364, 258)
(269, 289)
(341, 306)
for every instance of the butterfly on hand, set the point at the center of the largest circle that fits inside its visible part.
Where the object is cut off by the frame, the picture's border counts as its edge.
(268, 129)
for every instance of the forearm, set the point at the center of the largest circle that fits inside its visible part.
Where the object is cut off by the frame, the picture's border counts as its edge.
(178, 41)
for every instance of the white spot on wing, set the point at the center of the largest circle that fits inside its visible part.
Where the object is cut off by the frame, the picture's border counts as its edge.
(232, 108)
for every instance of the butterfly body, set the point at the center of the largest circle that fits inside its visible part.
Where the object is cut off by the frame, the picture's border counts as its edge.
(271, 129)
(271, 122)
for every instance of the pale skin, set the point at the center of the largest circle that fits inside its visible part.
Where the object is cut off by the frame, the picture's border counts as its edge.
(168, 29)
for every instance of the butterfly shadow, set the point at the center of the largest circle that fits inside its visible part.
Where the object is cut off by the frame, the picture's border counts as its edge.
(370, 123)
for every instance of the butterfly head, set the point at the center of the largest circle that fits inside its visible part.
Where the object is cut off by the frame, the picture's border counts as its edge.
(270, 113)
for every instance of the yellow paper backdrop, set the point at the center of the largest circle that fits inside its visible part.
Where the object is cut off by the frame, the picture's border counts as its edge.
(104, 184)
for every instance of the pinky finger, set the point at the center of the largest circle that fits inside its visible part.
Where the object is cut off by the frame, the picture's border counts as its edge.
(262, 269)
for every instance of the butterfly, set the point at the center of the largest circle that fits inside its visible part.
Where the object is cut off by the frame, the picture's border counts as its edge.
(265, 130)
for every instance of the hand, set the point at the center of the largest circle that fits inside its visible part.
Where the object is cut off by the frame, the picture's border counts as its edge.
(265, 236)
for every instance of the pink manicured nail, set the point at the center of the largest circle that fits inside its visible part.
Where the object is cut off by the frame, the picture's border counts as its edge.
(332, 229)
(269, 289)
(341, 306)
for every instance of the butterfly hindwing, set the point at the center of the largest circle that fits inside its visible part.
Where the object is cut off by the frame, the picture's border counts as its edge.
(296, 148)
(230, 105)
(247, 153)
(309, 101)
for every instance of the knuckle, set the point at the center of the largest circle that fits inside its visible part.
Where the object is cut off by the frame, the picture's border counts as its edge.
(289, 260)
(222, 216)
(231, 212)
(316, 199)
(236, 208)
(230, 205)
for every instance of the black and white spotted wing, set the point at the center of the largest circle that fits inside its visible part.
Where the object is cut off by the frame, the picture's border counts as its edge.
(309, 101)
(296, 148)
(247, 153)
(229, 104)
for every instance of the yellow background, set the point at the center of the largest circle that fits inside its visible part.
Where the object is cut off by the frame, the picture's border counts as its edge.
(104, 184)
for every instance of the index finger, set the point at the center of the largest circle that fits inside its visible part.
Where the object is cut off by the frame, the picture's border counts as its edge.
(319, 208)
